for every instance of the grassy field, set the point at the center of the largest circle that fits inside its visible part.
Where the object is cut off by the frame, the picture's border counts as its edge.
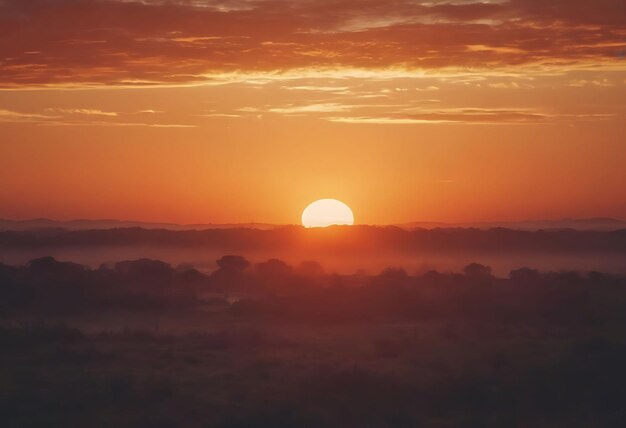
(203, 372)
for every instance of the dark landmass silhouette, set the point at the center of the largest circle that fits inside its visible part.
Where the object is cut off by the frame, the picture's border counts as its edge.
(85, 224)
(275, 289)
(334, 239)
(260, 338)
(141, 343)
(144, 344)
(599, 224)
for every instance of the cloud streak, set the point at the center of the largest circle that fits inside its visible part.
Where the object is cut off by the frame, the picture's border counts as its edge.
(77, 117)
(138, 43)
(470, 117)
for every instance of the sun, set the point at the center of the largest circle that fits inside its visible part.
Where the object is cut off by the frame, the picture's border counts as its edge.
(327, 212)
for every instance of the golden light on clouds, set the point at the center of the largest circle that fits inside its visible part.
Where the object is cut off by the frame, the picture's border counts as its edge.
(259, 99)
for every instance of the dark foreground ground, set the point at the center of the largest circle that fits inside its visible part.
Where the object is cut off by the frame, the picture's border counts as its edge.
(429, 374)
(392, 350)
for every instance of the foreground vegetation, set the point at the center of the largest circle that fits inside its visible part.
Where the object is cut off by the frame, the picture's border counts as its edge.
(141, 344)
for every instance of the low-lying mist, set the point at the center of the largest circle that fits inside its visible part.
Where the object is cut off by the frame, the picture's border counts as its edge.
(338, 249)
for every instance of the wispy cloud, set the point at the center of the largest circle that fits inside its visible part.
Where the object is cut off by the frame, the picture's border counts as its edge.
(383, 120)
(184, 42)
(420, 112)
(470, 116)
(74, 117)
(337, 90)
(117, 124)
(87, 112)
(312, 108)
(16, 116)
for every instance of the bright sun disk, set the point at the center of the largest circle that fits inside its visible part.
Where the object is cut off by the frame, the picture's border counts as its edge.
(327, 212)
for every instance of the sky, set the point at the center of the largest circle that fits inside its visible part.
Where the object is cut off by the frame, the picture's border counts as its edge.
(231, 111)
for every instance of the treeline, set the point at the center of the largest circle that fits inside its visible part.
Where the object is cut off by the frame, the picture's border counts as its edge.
(276, 290)
(337, 239)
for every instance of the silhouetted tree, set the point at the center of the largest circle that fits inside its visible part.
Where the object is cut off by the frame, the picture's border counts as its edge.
(231, 272)
(391, 277)
(233, 263)
(273, 268)
(310, 268)
(524, 275)
(145, 273)
(476, 270)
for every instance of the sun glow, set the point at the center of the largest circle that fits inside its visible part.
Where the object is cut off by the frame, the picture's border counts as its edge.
(327, 212)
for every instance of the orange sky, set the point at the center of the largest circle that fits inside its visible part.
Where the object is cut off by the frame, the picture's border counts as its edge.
(247, 110)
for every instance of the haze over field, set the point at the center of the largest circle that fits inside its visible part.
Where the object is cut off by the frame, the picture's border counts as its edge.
(338, 248)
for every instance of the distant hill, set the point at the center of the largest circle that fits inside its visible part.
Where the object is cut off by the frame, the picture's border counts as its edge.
(355, 240)
(594, 224)
(82, 224)
(599, 224)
